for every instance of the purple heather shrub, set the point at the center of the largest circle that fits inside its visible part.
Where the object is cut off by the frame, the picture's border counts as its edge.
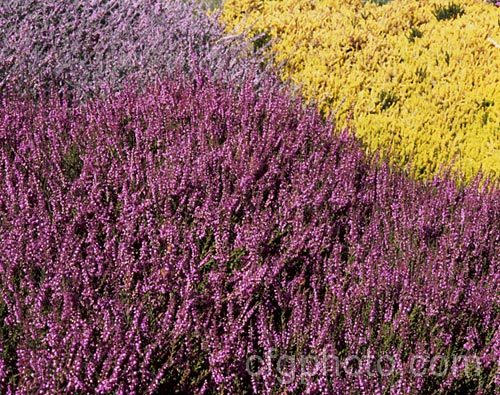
(83, 47)
(187, 237)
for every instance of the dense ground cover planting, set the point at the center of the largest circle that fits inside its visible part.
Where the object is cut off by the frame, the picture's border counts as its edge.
(421, 77)
(174, 220)
(82, 47)
(153, 241)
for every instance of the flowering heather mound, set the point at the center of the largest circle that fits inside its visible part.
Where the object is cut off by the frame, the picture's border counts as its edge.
(420, 77)
(158, 242)
(84, 46)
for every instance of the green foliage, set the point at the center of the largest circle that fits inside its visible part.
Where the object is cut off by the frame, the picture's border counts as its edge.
(414, 34)
(421, 74)
(378, 2)
(206, 244)
(261, 41)
(9, 339)
(386, 99)
(450, 11)
(234, 262)
(72, 164)
(485, 103)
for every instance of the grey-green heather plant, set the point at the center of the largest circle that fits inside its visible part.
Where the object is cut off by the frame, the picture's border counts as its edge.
(82, 48)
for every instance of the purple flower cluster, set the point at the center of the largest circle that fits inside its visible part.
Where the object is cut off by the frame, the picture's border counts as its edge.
(154, 241)
(83, 47)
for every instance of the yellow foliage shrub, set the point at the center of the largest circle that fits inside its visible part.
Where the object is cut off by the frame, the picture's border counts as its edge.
(427, 89)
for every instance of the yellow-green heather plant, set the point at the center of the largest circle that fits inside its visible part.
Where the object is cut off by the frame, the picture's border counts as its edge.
(421, 79)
